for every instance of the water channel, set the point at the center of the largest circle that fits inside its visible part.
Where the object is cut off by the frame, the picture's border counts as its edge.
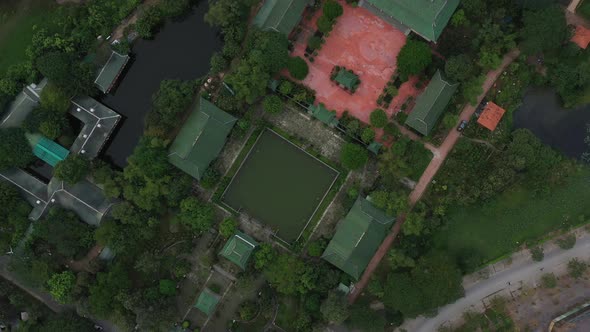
(562, 129)
(181, 50)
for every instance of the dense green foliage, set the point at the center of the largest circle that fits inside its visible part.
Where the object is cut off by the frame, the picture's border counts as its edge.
(171, 100)
(228, 227)
(378, 118)
(266, 54)
(61, 285)
(353, 156)
(544, 30)
(62, 70)
(413, 58)
(405, 158)
(15, 150)
(195, 214)
(297, 68)
(434, 281)
(335, 308)
(62, 231)
(14, 212)
(73, 169)
(363, 318)
(272, 104)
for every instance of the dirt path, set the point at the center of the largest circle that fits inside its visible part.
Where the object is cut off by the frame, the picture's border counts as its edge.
(440, 154)
(84, 263)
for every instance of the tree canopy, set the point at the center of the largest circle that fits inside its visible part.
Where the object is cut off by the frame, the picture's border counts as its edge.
(61, 285)
(413, 58)
(544, 29)
(172, 99)
(14, 212)
(195, 214)
(15, 150)
(378, 118)
(73, 169)
(435, 281)
(353, 156)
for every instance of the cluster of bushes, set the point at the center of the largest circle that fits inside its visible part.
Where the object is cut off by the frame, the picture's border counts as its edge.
(171, 100)
(330, 12)
(230, 16)
(153, 17)
(297, 68)
(389, 92)
(299, 93)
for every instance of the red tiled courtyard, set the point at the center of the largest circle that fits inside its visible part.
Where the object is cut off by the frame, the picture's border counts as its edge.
(363, 43)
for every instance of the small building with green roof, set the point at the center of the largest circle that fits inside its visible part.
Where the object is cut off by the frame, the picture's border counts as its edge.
(321, 113)
(346, 79)
(49, 151)
(207, 302)
(109, 73)
(280, 15)
(357, 238)
(201, 139)
(427, 18)
(431, 104)
(239, 248)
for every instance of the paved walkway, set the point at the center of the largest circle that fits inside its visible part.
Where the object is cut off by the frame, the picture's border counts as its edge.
(573, 5)
(440, 154)
(506, 278)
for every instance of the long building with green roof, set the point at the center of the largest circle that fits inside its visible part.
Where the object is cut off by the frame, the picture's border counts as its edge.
(427, 18)
(239, 248)
(357, 238)
(280, 15)
(431, 104)
(201, 139)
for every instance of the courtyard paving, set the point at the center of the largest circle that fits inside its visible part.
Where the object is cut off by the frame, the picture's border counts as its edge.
(363, 43)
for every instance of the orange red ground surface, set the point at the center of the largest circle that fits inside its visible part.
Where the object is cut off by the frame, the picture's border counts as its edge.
(363, 43)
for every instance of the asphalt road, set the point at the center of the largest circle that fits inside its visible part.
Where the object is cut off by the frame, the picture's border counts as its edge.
(522, 271)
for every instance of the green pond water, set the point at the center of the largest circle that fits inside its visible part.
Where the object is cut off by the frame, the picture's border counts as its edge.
(280, 185)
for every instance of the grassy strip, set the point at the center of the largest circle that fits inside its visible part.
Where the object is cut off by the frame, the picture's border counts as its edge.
(479, 235)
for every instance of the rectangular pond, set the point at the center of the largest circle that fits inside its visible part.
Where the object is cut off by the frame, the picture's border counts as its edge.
(280, 185)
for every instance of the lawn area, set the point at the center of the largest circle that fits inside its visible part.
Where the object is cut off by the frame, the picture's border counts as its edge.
(481, 233)
(584, 9)
(17, 19)
(280, 185)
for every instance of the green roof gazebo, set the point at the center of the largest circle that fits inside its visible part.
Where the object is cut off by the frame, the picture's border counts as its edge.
(280, 15)
(431, 104)
(207, 302)
(427, 18)
(357, 238)
(238, 249)
(347, 79)
(321, 113)
(201, 139)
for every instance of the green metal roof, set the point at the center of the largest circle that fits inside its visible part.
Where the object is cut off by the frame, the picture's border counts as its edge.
(108, 74)
(374, 147)
(207, 302)
(239, 248)
(431, 104)
(321, 113)
(49, 151)
(280, 15)
(427, 18)
(346, 78)
(201, 139)
(357, 238)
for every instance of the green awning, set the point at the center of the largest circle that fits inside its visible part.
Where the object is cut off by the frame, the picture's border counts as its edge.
(431, 104)
(238, 249)
(357, 238)
(374, 147)
(49, 151)
(321, 113)
(428, 18)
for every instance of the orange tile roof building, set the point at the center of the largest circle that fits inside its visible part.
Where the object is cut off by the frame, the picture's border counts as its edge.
(581, 37)
(491, 116)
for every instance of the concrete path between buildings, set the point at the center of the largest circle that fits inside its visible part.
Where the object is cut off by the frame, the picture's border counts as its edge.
(504, 278)
(440, 154)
